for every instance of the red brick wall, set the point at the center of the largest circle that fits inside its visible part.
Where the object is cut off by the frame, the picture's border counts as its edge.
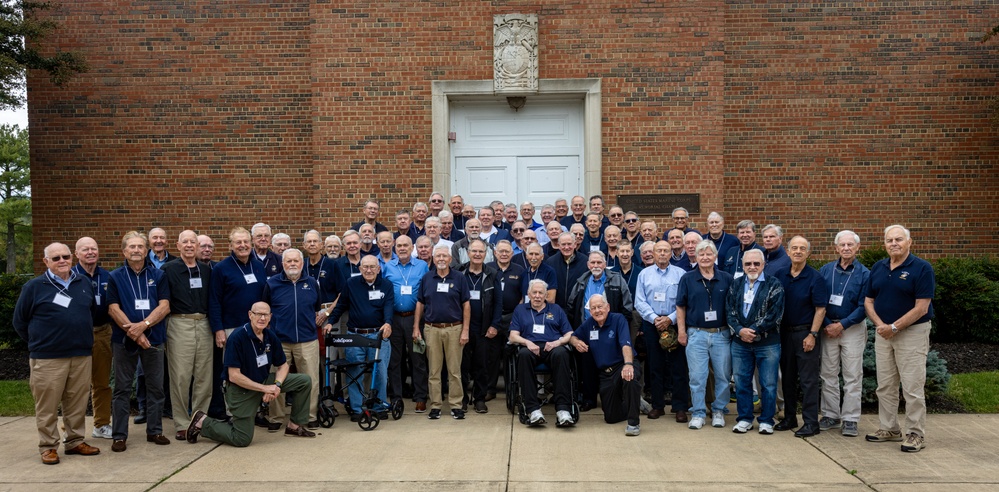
(217, 114)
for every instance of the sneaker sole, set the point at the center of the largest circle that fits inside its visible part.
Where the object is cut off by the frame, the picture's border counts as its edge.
(891, 439)
(737, 431)
(911, 450)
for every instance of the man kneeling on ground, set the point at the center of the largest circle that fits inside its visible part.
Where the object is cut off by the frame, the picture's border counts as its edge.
(249, 353)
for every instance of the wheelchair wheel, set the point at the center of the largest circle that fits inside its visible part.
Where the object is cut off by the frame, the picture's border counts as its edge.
(397, 408)
(574, 412)
(326, 416)
(369, 420)
(522, 413)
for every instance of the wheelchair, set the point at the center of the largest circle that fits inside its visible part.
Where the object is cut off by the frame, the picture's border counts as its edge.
(336, 370)
(545, 385)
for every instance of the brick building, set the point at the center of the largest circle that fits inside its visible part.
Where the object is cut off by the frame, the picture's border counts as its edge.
(815, 116)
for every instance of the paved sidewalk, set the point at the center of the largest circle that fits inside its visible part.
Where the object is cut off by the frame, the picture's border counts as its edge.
(495, 452)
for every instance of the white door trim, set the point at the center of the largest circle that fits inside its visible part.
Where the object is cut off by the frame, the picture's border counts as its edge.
(444, 91)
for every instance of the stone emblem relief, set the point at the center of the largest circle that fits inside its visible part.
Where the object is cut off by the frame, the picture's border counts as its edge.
(515, 53)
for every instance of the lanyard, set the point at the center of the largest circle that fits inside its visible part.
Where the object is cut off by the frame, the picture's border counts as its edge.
(534, 319)
(136, 295)
(536, 273)
(475, 283)
(406, 271)
(322, 262)
(832, 284)
(711, 306)
(252, 344)
(55, 283)
(249, 263)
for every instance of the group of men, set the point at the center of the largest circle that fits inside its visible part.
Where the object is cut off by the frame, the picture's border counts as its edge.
(568, 291)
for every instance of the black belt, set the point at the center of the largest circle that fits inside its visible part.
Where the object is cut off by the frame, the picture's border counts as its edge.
(364, 331)
(797, 328)
(404, 314)
(706, 330)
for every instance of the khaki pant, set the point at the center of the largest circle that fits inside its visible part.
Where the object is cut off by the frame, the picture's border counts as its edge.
(903, 359)
(845, 352)
(444, 343)
(305, 358)
(100, 375)
(189, 354)
(65, 381)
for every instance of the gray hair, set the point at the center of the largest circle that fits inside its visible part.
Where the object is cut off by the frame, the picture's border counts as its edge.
(755, 251)
(603, 258)
(279, 236)
(441, 247)
(445, 214)
(306, 236)
(846, 233)
(715, 215)
(432, 220)
(537, 281)
(289, 251)
(706, 244)
(259, 225)
(746, 224)
(905, 231)
(675, 210)
(775, 227)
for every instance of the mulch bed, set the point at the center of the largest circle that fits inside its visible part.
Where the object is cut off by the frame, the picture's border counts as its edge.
(14, 364)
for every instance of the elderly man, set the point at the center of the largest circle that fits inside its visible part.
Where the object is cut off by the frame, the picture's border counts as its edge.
(206, 250)
(731, 260)
(616, 216)
(608, 342)
(456, 205)
(632, 234)
(690, 242)
(612, 239)
(568, 267)
(542, 330)
(237, 283)
(561, 209)
(504, 215)
(459, 250)
(578, 216)
(517, 233)
(158, 253)
(486, 302)
(189, 338)
(490, 233)
(614, 290)
(295, 300)
(321, 268)
(629, 270)
(509, 275)
(527, 215)
(448, 229)
(537, 269)
(436, 203)
(443, 305)
(279, 243)
(578, 232)
(551, 233)
(899, 303)
(386, 244)
(805, 297)
(468, 211)
(547, 220)
(647, 253)
(677, 255)
(594, 239)
(53, 315)
(754, 307)
(597, 207)
(773, 240)
(370, 211)
(434, 229)
(261, 235)
(655, 301)
(649, 231)
(332, 246)
(420, 214)
(681, 221)
(253, 351)
(348, 265)
(701, 328)
(369, 300)
(424, 250)
(405, 272)
(138, 302)
(367, 235)
(404, 225)
(844, 336)
(88, 254)
(716, 233)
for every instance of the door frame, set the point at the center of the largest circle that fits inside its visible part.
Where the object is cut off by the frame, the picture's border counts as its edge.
(443, 92)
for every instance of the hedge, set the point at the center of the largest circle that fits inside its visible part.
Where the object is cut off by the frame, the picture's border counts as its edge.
(10, 289)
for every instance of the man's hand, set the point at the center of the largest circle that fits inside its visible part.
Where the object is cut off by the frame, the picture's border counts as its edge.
(580, 346)
(327, 329)
(492, 332)
(681, 336)
(549, 346)
(834, 330)
(464, 338)
(416, 332)
(533, 347)
(143, 342)
(628, 372)
(271, 392)
(747, 335)
(386, 330)
(808, 343)
(662, 322)
(884, 331)
(135, 329)
(321, 317)
(220, 339)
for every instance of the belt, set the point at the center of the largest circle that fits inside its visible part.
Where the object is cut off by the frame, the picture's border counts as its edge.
(404, 314)
(442, 325)
(190, 316)
(363, 331)
(706, 330)
(797, 328)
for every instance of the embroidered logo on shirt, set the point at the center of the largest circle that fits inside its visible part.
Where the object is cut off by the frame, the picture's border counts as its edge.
(903, 276)
(549, 316)
(151, 282)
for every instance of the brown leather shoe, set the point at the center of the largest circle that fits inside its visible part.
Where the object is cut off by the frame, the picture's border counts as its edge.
(655, 413)
(84, 449)
(681, 417)
(193, 431)
(301, 431)
(118, 446)
(181, 435)
(50, 457)
(421, 406)
(158, 439)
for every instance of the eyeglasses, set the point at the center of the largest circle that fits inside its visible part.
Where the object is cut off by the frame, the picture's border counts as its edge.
(630, 221)
(751, 263)
(436, 201)
(260, 315)
(61, 257)
(679, 218)
(617, 215)
(517, 230)
(368, 267)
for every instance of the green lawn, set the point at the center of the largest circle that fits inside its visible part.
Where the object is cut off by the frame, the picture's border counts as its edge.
(977, 391)
(15, 399)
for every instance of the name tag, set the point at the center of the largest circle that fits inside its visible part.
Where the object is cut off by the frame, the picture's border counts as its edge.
(748, 297)
(355, 274)
(527, 299)
(62, 300)
(594, 335)
(442, 287)
(250, 278)
(539, 329)
(710, 315)
(97, 299)
(659, 296)
(502, 285)
(196, 283)
(142, 304)
(836, 300)
(374, 295)
(475, 295)
(406, 290)
(594, 248)
(738, 274)
(262, 360)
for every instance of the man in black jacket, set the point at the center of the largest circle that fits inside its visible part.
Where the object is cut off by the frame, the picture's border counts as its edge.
(483, 343)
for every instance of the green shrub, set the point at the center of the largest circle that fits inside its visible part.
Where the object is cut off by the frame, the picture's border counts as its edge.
(869, 256)
(966, 302)
(10, 289)
(937, 377)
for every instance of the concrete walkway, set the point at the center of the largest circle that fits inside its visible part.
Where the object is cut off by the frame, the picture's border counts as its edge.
(495, 452)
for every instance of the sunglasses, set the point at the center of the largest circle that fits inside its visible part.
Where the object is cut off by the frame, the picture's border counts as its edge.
(517, 230)
(630, 221)
(61, 257)
(752, 263)
(436, 201)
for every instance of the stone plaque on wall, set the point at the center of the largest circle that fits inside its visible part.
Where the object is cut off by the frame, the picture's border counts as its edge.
(515, 53)
(660, 204)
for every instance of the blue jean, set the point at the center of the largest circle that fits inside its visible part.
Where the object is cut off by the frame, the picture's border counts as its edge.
(704, 347)
(380, 375)
(745, 360)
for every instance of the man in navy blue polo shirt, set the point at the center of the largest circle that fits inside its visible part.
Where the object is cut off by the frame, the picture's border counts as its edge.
(370, 300)
(542, 330)
(731, 260)
(716, 233)
(251, 351)
(773, 246)
(898, 302)
(608, 339)
(537, 269)
(88, 255)
(443, 305)
(405, 273)
(261, 235)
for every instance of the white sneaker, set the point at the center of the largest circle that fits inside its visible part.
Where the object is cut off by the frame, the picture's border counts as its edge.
(718, 420)
(536, 418)
(742, 427)
(103, 432)
(563, 419)
(632, 430)
(766, 428)
(696, 423)
(644, 407)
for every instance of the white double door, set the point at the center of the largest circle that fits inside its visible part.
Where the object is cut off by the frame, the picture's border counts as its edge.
(534, 154)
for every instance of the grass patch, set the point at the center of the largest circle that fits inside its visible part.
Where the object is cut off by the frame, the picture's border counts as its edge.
(16, 399)
(977, 391)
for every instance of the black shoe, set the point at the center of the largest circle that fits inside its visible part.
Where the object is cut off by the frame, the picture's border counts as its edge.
(267, 424)
(480, 407)
(313, 424)
(587, 406)
(383, 414)
(458, 414)
(786, 425)
(140, 419)
(807, 431)
(434, 414)
(490, 396)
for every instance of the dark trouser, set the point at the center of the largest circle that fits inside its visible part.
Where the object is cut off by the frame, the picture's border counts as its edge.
(619, 398)
(588, 379)
(124, 361)
(797, 365)
(474, 365)
(558, 362)
(244, 403)
(495, 361)
(661, 361)
(402, 346)
(216, 409)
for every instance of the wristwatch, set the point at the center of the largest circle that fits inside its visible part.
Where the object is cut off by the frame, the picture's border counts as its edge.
(814, 334)
(277, 383)
(893, 328)
(146, 321)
